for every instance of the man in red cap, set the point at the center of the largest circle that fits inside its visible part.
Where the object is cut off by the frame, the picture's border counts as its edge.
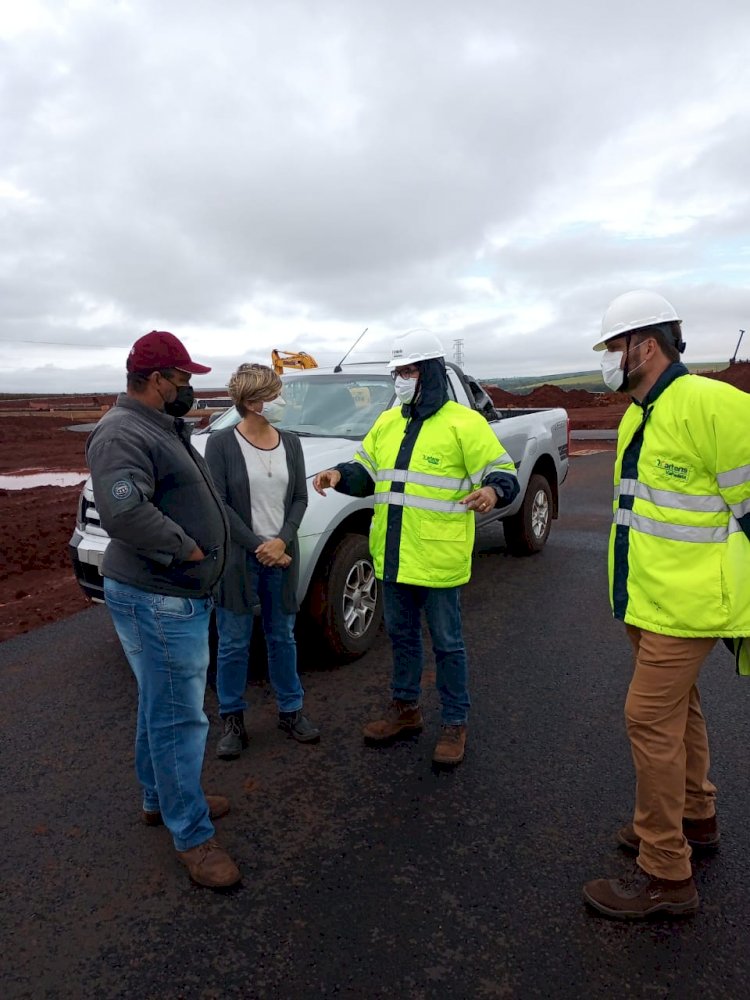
(169, 533)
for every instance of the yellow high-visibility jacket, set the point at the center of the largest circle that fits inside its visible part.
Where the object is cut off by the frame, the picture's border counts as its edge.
(679, 552)
(420, 533)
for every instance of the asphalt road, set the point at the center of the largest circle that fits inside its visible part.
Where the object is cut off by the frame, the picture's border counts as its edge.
(366, 873)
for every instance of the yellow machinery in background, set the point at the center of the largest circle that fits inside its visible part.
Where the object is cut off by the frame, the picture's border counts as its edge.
(300, 360)
(291, 359)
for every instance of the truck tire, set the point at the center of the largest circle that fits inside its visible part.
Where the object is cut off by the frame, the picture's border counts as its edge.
(346, 603)
(527, 531)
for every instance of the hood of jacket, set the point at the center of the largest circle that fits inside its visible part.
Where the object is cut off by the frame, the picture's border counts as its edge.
(432, 391)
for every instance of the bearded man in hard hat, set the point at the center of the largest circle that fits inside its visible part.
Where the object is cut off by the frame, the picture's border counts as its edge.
(679, 577)
(430, 463)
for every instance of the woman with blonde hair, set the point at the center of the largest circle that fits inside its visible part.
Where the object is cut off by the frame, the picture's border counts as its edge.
(259, 472)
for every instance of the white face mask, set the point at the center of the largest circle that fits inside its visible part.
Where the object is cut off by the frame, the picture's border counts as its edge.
(405, 388)
(273, 411)
(612, 371)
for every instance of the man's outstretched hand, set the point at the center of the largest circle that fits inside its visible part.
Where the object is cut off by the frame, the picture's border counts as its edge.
(326, 480)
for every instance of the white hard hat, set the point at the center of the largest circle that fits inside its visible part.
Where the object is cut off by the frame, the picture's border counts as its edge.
(414, 346)
(632, 311)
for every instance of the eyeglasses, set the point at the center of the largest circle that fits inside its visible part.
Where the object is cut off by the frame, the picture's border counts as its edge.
(408, 371)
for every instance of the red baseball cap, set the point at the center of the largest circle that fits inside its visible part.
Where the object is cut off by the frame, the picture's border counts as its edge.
(160, 349)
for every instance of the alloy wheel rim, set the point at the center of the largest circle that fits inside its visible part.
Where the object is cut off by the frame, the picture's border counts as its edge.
(360, 598)
(539, 514)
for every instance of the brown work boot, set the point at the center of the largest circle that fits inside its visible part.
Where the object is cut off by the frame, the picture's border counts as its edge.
(218, 806)
(210, 865)
(640, 895)
(401, 717)
(451, 746)
(701, 834)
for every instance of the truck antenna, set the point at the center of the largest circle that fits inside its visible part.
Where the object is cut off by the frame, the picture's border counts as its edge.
(338, 366)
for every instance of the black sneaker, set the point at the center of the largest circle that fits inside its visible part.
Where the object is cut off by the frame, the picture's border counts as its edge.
(298, 727)
(234, 739)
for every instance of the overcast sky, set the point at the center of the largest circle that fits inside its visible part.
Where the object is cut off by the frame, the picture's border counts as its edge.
(284, 174)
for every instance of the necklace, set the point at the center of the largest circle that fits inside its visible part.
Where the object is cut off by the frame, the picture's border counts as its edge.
(260, 452)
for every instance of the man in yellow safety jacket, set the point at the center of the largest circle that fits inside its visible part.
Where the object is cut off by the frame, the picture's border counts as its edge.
(679, 578)
(430, 464)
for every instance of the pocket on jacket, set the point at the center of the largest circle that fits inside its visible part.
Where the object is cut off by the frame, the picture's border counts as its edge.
(197, 574)
(453, 530)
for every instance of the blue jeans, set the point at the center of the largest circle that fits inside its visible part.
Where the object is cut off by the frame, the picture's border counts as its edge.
(403, 604)
(235, 632)
(166, 642)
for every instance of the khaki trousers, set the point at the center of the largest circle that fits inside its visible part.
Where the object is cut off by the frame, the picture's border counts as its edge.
(669, 743)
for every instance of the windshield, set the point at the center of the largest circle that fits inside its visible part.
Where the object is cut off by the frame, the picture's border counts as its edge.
(344, 405)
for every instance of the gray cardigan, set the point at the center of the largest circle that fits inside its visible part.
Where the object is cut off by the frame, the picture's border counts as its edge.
(229, 473)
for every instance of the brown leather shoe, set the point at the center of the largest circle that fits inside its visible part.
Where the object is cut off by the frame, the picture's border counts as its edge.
(451, 746)
(218, 806)
(640, 895)
(210, 865)
(701, 834)
(401, 717)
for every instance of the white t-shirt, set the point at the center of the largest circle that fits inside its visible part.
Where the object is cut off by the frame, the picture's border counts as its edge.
(268, 476)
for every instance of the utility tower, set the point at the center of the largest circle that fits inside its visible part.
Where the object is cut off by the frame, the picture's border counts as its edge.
(458, 352)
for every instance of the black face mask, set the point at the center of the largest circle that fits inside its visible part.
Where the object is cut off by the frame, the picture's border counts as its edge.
(182, 403)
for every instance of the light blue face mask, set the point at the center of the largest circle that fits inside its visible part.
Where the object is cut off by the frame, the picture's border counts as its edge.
(405, 388)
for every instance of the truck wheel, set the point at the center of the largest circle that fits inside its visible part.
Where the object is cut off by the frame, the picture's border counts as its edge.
(527, 531)
(346, 602)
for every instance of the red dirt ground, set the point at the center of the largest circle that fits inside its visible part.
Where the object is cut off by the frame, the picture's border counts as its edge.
(36, 579)
(37, 583)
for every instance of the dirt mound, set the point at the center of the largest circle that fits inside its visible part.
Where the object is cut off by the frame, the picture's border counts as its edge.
(586, 410)
(37, 583)
(41, 443)
(552, 395)
(502, 398)
(36, 403)
(737, 374)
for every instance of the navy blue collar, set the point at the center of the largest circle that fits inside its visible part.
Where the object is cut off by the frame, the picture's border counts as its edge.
(674, 371)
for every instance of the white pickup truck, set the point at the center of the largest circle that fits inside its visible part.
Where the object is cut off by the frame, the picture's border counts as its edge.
(332, 410)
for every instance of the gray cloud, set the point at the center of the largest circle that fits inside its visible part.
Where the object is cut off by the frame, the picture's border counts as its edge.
(283, 175)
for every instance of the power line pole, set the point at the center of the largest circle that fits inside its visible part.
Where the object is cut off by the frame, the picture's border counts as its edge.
(458, 352)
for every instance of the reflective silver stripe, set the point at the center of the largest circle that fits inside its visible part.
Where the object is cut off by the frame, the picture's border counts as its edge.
(668, 498)
(423, 479)
(734, 477)
(494, 466)
(367, 462)
(424, 503)
(674, 532)
(740, 509)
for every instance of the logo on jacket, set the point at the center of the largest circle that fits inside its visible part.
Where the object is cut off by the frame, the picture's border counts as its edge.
(431, 460)
(672, 469)
(122, 489)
